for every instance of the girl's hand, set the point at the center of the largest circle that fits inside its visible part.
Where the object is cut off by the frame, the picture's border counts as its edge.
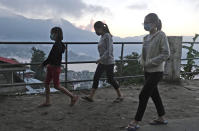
(140, 60)
(148, 63)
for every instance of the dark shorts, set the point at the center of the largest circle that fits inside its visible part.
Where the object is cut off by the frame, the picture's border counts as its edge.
(53, 73)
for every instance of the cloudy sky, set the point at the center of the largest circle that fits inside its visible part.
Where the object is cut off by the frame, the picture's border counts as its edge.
(124, 17)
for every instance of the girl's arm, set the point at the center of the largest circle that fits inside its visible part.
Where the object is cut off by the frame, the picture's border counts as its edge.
(45, 62)
(51, 56)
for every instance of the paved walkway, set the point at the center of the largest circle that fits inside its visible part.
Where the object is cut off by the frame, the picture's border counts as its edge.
(190, 124)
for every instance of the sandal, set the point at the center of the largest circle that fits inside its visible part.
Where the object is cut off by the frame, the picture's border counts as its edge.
(87, 99)
(132, 127)
(118, 100)
(159, 122)
(74, 100)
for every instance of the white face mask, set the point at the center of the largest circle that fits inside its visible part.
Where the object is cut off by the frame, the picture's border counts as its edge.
(148, 26)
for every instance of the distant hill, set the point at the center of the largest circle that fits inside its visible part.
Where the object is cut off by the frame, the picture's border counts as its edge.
(18, 28)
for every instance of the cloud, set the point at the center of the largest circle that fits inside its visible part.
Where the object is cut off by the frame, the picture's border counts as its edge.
(88, 27)
(51, 8)
(141, 6)
(193, 3)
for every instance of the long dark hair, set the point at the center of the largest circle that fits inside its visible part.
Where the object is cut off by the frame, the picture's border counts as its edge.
(155, 19)
(100, 24)
(58, 31)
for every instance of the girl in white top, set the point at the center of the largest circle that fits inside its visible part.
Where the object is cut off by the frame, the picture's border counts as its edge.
(155, 52)
(105, 62)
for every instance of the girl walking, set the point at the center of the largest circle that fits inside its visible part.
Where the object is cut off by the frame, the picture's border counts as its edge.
(53, 63)
(106, 61)
(155, 52)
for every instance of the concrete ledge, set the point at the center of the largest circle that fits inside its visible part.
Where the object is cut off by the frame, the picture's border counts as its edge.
(12, 90)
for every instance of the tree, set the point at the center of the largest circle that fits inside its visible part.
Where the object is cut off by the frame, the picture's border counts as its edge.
(190, 70)
(130, 68)
(38, 56)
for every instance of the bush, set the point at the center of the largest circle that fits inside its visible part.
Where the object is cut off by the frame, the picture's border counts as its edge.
(38, 56)
(190, 66)
(130, 68)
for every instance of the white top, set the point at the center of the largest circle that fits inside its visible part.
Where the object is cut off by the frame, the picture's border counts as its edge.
(105, 48)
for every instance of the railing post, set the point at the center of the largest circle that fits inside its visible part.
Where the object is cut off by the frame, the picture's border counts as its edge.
(173, 65)
(122, 55)
(12, 79)
(66, 65)
(23, 75)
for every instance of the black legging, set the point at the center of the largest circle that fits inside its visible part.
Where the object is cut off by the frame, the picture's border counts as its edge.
(150, 89)
(109, 73)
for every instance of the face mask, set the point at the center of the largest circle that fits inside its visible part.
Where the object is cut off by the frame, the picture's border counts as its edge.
(98, 33)
(148, 27)
(52, 36)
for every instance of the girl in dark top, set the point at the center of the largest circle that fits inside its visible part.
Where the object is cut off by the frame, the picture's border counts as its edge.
(53, 63)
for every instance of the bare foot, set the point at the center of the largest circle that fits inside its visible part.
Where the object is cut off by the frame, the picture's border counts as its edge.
(44, 105)
(74, 100)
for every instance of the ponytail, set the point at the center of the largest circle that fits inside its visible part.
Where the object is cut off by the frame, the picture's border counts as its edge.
(100, 24)
(159, 25)
(106, 29)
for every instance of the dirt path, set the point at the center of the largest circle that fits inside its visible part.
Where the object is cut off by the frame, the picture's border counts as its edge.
(20, 113)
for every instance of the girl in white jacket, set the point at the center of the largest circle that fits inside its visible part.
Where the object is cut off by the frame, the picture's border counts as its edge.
(155, 52)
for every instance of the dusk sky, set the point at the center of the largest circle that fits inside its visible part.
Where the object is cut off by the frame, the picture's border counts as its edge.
(124, 17)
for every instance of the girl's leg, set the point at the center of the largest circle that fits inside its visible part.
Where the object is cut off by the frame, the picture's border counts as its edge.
(138, 116)
(57, 86)
(64, 90)
(74, 98)
(111, 80)
(56, 73)
(158, 103)
(99, 70)
(92, 93)
(47, 87)
(147, 91)
(119, 94)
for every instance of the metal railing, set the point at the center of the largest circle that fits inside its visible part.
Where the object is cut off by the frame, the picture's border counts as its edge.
(74, 62)
(78, 62)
